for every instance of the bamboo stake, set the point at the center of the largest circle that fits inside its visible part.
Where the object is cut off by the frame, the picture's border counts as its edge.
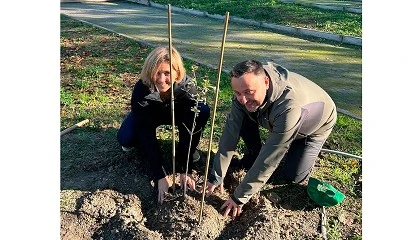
(79, 124)
(214, 116)
(172, 96)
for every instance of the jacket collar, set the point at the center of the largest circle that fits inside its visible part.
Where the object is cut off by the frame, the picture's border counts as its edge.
(278, 82)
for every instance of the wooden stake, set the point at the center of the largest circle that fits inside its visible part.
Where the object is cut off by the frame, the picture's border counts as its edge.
(67, 130)
(214, 116)
(172, 96)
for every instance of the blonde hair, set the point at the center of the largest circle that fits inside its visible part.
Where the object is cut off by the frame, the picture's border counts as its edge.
(154, 59)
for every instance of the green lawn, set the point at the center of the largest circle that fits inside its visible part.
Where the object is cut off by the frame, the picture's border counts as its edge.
(272, 11)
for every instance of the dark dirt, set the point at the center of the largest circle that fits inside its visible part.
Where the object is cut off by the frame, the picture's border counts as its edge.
(113, 198)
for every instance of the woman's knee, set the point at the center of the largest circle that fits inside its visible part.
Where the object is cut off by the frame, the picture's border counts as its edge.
(125, 134)
(204, 113)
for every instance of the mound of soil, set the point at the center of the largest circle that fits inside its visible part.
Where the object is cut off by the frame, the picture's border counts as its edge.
(112, 198)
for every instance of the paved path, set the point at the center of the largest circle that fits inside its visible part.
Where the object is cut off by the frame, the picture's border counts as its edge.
(336, 69)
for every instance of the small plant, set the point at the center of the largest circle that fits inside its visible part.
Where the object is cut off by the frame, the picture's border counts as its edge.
(200, 96)
(101, 98)
(164, 132)
(356, 238)
(65, 97)
(84, 99)
(82, 83)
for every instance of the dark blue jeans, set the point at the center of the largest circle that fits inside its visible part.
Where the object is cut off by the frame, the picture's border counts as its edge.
(140, 132)
(298, 161)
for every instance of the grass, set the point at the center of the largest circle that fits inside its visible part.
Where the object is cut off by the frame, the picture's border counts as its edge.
(99, 70)
(276, 12)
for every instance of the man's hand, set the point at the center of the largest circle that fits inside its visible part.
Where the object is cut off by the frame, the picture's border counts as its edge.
(210, 189)
(188, 179)
(163, 186)
(230, 205)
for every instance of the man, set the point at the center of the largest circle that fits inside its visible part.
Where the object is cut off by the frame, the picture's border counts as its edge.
(299, 115)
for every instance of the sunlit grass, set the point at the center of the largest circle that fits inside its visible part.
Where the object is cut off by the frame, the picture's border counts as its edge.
(272, 11)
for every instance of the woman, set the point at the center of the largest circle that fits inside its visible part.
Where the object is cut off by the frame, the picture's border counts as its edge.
(151, 107)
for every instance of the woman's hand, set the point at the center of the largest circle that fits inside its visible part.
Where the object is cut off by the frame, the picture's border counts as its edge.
(188, 179)
(210, 189)
(163, 186)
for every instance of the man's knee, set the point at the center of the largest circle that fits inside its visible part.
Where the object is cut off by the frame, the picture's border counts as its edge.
(297, 177)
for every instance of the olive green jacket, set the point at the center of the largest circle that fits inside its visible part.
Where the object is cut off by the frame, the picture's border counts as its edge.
(294, 107)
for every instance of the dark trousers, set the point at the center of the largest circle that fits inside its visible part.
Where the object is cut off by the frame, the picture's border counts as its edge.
(140, 132)
(299, 160)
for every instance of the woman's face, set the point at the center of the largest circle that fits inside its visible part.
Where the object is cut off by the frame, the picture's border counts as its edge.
(162, 79)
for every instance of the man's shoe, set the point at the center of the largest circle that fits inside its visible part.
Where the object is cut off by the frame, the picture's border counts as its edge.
(127, 149)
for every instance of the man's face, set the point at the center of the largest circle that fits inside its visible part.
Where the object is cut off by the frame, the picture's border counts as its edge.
(250, 90)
